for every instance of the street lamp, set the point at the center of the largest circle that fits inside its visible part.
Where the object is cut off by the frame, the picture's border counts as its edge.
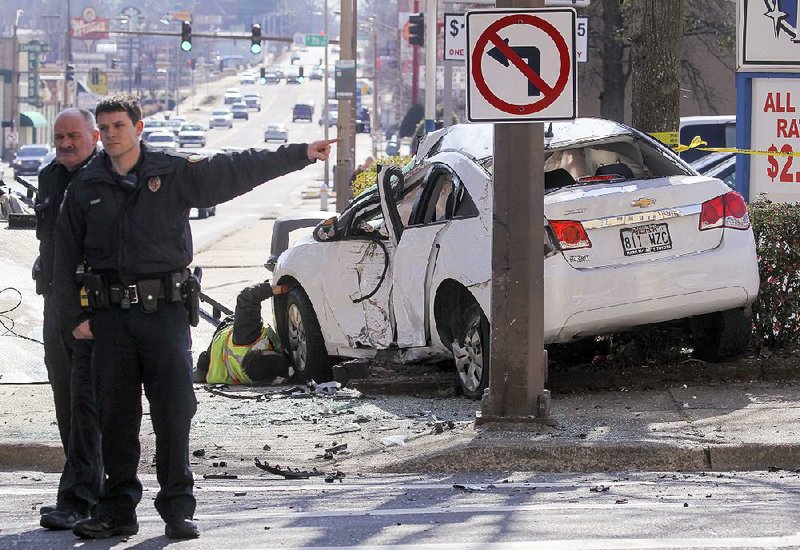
(14, 133)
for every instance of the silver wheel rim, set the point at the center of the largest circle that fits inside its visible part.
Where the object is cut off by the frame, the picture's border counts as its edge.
(469, 358)
(297, 338)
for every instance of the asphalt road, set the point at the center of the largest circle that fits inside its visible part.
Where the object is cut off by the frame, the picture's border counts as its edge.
(490, 511)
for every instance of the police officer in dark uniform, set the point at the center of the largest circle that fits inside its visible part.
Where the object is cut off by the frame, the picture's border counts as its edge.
(67, 360)
(127, 217)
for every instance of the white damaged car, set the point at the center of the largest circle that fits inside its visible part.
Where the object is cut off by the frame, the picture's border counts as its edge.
(633, 236)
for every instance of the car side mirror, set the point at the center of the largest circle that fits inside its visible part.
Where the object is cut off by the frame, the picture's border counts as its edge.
(326, 230)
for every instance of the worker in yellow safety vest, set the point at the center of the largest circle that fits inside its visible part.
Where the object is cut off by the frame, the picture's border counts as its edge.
(245, 350)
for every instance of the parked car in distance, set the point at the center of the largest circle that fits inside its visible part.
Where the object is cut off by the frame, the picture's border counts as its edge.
(718, 165)
(29, 158)
(362, 121)
(232, 95)
(239, 110)
(192, 134)
(247, 77)
(717, 131)
(276, 132)
(633, 236)
(221, 118)
(163, 139)
(253, 101)
(333, 114)
(303, 111)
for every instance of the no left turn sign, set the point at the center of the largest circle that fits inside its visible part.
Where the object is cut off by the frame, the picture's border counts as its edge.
(521, 65)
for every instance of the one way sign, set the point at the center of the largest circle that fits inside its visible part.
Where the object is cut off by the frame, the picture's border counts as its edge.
(521, 65)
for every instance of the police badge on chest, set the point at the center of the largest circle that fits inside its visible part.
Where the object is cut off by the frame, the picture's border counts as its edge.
(154, 184)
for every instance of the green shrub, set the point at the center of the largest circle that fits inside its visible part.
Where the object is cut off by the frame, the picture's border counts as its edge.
(366, 179)
(776, 227)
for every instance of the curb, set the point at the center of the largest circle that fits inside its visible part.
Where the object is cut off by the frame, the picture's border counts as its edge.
(43, 457)
(483, 456)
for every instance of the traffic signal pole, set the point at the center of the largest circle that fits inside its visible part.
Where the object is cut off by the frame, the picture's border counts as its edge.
(518, 362)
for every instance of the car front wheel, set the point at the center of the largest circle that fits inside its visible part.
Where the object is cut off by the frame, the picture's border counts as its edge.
(471, 352)
(301, 335)
(722, 335)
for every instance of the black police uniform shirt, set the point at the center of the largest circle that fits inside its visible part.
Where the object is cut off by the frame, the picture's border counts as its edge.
(140, 228)
(53, 181)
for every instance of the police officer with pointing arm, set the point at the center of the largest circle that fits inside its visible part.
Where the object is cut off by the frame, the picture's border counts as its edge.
(126, 217)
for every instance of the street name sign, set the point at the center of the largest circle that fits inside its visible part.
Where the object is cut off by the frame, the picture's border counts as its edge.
(521, 65)
(316, 40)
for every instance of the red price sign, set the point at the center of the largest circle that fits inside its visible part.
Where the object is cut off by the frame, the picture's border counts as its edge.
(774, 168)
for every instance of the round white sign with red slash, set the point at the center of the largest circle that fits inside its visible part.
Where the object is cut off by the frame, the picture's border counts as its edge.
(521, 65)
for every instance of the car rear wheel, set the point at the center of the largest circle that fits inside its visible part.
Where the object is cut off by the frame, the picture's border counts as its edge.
(471, 352)
(301, 335)
(722, 335)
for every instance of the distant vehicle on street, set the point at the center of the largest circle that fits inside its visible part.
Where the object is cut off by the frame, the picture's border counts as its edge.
(276, 132)
(303, 111)
(49, 157)
(253, 101)
(316, 73)
(293, 76)
(29, 158)
(239, 110)
(192, 134)
(163, 139)
(221, 118)
(174, 124)
(333, 114)
(232, 95)
(362, 121)
(271, 77)
(247, 77)
(633, 236)
(153, 125)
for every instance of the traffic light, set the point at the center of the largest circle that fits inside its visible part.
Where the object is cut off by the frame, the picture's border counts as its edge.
(263, 78)
(186, 36)
(416, 29)
(95, 76)
(300, 71)
(255, 39)
(69, 73)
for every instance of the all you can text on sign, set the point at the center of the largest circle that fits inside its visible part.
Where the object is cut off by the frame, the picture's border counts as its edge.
(521, 65)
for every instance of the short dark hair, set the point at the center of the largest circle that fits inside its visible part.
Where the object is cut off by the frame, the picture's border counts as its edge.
(120, 103)
(263, 367)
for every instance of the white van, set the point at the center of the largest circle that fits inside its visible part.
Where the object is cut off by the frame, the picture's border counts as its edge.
(717, 131)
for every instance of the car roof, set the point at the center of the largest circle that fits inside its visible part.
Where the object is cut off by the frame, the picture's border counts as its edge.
(477, 140)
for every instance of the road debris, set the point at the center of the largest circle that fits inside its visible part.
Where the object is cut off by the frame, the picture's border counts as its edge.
(199, 452)
(346, 430)
(600, 488)
(220, 476)
(335, 476)
(392, 440)
(218, 390)
(287, 473)
(469, 488)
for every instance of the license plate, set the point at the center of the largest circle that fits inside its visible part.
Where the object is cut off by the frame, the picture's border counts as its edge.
(642, 239)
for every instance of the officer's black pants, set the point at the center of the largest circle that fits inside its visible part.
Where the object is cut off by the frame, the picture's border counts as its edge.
(68, 369)
(134, 349)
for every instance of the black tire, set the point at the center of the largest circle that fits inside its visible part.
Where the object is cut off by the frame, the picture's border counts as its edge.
(722, 335)
(471, 351)
(301, 336)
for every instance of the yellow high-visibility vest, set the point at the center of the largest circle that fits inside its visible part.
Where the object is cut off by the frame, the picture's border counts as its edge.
(226, 357)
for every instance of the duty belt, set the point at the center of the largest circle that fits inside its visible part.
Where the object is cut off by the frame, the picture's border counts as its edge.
(145, 292)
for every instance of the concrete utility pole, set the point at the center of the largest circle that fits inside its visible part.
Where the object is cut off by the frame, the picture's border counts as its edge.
(431, 24)
(345, 151)
(15, 126)
(518, 362)
(67, 55)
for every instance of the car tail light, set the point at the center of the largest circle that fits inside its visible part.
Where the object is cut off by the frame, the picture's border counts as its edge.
(728, 210)
(570, 234)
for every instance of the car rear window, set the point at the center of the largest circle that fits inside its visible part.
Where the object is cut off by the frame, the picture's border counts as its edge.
(34, 151)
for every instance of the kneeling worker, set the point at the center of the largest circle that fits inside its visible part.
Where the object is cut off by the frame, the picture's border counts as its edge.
(245, 350)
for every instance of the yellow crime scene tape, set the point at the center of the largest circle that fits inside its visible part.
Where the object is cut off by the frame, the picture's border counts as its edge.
(697, 143)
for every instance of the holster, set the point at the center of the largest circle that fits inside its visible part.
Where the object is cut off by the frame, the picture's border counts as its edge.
(97, 290)
(191, 299)
(38, 276)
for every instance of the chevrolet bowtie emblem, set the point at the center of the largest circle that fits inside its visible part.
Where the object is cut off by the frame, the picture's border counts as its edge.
(643, 202)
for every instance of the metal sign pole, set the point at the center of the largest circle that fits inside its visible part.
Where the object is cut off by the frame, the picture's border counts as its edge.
(518, 365)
